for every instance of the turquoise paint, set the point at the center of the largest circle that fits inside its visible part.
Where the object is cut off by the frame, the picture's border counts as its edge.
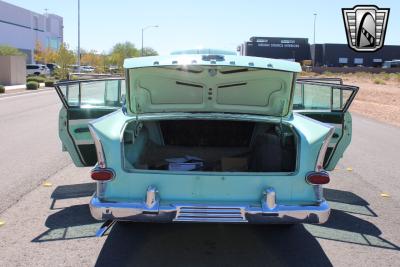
(203, 186)
(239, 61)
(66, 139)
(208, 186)
(345, 139)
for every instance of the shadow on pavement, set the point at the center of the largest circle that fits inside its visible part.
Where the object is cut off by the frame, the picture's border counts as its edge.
(138, 244)
(342, 226)
(69, 223)
(217, 244)
(72, 191)
(348, 201)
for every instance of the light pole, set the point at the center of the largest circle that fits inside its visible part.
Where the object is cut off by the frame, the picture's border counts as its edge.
(143, 29)
(79, 36)
(315, 19)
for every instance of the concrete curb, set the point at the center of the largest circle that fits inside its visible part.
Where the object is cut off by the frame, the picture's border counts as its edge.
(19, 87)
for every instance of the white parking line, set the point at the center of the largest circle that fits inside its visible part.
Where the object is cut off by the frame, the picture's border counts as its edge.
(16, 95)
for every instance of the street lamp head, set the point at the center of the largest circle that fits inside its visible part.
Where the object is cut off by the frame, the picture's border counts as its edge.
(150, 26)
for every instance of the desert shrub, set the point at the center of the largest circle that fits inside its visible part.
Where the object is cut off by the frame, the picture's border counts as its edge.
(396, 77)
(37, 79)
(32, 85)
(362, 74)
(384, 75)
(49, 83)
(378, 81)
(2, 89)
(328, 73)
(308, 74)
(73, 77)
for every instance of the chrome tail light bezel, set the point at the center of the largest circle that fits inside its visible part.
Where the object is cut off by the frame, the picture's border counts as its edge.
(101, 159)
(320, 173)
(98, 170)
(319, 166)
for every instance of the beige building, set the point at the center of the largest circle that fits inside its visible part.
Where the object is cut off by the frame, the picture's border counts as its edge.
(12, 70)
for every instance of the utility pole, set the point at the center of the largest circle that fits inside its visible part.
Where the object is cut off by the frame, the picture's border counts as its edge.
(79, 36)
(315, 19)
(143, 29)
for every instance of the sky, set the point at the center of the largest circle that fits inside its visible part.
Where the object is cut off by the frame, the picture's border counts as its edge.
(189, 24)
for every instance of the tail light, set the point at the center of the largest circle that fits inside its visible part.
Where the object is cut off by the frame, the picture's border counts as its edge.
(317, 178)
(102, 174)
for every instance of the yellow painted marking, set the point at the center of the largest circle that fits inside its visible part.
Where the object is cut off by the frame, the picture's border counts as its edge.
(349, 169)
(47, 184)
(2, 223)
(385, 195)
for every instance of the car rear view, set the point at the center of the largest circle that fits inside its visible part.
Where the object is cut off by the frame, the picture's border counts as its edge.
(210, 138)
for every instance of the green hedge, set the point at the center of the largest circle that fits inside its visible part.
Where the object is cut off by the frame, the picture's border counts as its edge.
(49, 83)
(37, 79)
(32, 85)
(2, 89)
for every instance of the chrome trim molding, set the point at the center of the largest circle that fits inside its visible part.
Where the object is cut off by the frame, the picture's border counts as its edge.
(209, 213)
(79, 122)
(152, 199)
(84, 142)
(101, 159)
(321, 155)
(224, 213)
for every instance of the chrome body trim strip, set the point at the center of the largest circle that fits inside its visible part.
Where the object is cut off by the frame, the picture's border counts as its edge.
(101, 159)
(79, 122)
(268, 202)
(222, 213)
(84, 142)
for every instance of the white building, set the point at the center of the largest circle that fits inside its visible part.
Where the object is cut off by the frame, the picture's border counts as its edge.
(21, 29)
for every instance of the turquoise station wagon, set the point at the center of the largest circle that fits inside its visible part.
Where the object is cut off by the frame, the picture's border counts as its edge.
(207, 138)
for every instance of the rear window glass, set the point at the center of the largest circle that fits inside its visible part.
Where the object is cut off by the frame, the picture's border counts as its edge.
(92, 94)
(321, 96)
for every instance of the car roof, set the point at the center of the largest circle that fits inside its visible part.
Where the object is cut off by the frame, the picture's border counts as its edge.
(215, 60)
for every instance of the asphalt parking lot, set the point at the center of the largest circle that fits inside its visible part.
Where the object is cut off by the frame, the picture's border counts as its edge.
(49, 224)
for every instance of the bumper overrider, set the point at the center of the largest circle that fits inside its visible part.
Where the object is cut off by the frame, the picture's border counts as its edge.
(154, 210)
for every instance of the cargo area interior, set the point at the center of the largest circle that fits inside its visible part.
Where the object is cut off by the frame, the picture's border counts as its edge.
(209, 145)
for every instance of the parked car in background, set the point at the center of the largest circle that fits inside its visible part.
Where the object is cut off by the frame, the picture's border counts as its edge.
(391, 64)
(87, 69)
(77, 69)
(113, 69)
(37, 69)
(52, 67)
(207, 138)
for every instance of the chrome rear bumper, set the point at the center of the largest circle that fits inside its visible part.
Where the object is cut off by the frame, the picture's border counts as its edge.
(152, 210)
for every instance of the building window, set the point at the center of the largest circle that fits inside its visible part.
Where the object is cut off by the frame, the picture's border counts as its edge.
(343, 60)
(358, 60)
(377, 60)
